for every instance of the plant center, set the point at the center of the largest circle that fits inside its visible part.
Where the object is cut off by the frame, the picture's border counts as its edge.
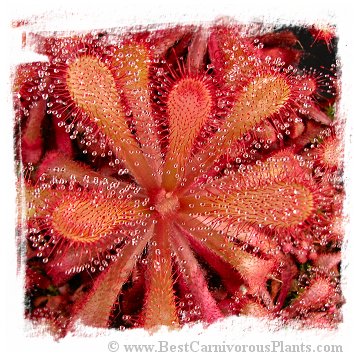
(166, 204)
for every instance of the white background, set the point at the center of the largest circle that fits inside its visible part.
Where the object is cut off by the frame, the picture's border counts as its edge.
(72, 15)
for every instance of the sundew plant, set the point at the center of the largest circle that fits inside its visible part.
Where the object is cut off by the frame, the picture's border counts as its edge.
(177, 174)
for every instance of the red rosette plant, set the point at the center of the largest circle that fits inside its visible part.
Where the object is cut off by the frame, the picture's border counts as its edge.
(179, 175)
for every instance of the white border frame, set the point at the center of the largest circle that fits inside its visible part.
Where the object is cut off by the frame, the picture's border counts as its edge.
(83, 15)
